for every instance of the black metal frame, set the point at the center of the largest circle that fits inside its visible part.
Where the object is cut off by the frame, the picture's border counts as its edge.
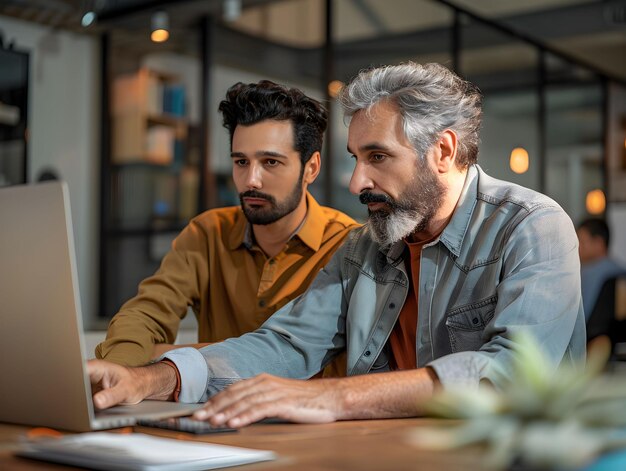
(10, 48)
(105, 168)
(206, 193)
(327, 77)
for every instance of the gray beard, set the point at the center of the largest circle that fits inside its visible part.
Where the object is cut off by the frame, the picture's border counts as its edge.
(409, 214)
(388, 228)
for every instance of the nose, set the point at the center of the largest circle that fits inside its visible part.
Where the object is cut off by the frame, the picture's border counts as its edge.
(360, 180)
(253, 176)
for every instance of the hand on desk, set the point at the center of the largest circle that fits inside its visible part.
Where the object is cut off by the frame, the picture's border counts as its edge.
(251, 400)
(374, 396)
(114, 384)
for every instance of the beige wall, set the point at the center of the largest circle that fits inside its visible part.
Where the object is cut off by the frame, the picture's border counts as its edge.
(63, 102)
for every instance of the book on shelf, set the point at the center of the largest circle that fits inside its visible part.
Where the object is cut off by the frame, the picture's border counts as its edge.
(154, 95)
(148, 118)
(174, 100)
(160, 142)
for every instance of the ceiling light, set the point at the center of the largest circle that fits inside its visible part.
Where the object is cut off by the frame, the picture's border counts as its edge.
(334, 88)
(160, 24)
(519, 161)
(88, 19)
(595, 202)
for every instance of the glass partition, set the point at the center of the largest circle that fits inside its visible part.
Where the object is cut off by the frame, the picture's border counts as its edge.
(153, 170)
(507, 71)
(574, 146)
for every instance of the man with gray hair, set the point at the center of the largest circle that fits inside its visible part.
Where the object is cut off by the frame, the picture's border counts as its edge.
(430, 293)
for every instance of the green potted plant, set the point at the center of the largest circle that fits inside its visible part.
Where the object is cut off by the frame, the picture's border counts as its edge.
(543, 419)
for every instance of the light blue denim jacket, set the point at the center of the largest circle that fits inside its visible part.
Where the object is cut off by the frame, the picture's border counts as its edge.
(507, 262)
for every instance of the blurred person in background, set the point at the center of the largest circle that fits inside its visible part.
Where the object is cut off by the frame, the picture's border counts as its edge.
(597, 267)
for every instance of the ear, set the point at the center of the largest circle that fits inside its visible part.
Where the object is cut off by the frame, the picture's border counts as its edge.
(446, 155)
(312, 168)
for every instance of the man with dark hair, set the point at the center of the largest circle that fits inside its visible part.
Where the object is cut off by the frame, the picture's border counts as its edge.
(432, 292)
(596, 265)
(236, 266)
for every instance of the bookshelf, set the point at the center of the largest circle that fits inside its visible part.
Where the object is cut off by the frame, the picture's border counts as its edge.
(152, 179)
(149, 121)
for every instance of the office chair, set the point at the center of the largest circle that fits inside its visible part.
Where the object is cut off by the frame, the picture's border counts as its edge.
(608, 317)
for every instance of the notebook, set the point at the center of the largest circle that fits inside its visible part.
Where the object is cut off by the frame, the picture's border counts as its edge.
(137, 451)
(42, 354)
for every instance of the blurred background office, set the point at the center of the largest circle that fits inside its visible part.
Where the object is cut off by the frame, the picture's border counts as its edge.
(120, 98)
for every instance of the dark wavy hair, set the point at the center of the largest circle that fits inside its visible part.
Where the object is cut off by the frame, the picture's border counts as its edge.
(597, 228)
(255, 102)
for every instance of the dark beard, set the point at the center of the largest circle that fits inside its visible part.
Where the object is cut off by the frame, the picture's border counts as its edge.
(410, 213)
(276, 211)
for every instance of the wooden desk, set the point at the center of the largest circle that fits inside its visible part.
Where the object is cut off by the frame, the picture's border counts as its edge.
(374, 445)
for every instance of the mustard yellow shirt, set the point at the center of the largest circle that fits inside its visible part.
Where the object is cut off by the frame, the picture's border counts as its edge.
(215, 268)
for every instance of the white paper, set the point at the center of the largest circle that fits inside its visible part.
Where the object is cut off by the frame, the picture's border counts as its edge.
(140, 452)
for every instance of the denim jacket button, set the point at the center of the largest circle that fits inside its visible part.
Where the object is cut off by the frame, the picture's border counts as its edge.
(475, 320)
(392, 305)
(368, 353)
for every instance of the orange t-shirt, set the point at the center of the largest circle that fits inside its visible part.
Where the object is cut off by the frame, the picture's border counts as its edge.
(403, 337)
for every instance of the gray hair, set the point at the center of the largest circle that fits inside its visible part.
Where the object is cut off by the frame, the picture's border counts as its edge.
(430, 98)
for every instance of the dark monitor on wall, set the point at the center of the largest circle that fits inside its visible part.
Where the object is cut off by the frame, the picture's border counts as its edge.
(13, 116)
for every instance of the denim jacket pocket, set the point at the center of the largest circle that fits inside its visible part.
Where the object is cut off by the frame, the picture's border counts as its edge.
(466, 324)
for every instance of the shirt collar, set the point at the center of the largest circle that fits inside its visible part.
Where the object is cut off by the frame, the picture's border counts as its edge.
(240, 233)
(310, 232)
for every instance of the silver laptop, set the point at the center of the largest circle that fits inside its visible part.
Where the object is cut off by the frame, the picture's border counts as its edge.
(42, 353)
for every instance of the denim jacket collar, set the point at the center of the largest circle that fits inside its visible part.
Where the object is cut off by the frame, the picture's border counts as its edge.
(454, 233)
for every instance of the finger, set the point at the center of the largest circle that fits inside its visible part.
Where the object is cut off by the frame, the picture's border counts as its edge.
(235, 392)
(107, 398)
(229, 397)
(286, 409)
(250, 415)
(96, 370)
(109, 387)
(245, 411)
(256, 398)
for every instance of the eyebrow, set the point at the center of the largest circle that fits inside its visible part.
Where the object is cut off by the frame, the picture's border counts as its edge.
(261, 153)
(372, 146)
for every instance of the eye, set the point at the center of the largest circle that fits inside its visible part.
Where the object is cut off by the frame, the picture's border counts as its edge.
(240, 162)
(271, 162)
(377, 157)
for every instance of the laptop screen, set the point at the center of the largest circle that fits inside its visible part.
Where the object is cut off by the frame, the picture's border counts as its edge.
(41, 351)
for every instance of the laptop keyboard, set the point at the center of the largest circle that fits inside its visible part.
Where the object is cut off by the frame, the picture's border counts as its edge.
(184, 424)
